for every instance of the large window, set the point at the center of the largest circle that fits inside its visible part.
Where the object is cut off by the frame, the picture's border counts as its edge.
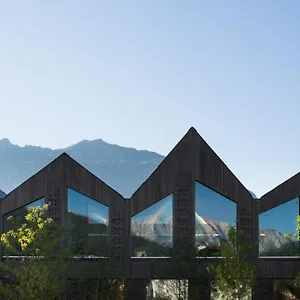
(88, 225)
(277, 228)
(214, 214)
(151, 230)
(19, 214)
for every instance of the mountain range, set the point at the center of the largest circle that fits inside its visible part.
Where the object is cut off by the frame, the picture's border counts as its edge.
(124, 169)
(2, 194)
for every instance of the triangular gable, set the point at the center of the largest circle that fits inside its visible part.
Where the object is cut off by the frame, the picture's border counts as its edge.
(35, 187)
(83, 181)
(211, 171)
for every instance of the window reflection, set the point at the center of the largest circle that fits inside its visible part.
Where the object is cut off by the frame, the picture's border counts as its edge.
(151, 230)
(214, 214)
(19, 214)
(277, 229)
(88, 224)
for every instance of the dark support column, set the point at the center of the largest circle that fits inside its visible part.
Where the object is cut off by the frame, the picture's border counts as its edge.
(199, 289)
(264, 289)
(135, 289)
(184, 209)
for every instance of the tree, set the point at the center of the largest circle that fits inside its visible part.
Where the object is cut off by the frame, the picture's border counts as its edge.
(38, 270)
(297, 279)
(234, 273)
(181, 259)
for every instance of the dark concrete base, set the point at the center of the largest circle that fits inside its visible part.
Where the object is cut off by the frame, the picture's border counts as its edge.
(199, 289)
(264, 290)
(135, 289)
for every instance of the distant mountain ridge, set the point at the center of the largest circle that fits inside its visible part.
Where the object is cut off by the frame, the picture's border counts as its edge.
(2, 194)
(122, 168)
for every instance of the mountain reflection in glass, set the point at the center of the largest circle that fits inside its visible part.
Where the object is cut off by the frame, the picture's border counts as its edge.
(277, 230)
(19, 214)
(214, 214)
(151, 230)
(87, 224)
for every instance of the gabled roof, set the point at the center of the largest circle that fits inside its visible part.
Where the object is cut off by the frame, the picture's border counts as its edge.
(191, 156)
(192, 159)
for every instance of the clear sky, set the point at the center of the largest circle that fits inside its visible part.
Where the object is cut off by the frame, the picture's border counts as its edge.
(140, 73)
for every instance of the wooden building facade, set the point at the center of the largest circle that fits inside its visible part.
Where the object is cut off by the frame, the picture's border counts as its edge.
(191, 161)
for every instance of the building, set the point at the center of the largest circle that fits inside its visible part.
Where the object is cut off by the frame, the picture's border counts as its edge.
(191, 198)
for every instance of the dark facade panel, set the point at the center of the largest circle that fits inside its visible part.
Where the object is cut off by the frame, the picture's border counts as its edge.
(278, 268)
(149, 268)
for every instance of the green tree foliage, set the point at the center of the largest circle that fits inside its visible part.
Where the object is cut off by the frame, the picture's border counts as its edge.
(38, 272)
(96, 289)
(297, 279)
(234, 273)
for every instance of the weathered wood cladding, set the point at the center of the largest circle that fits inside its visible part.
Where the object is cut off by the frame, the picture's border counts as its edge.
(35, 187)
(191, 160)
(211, 171)
(83, 181)
(161, 183)
(283, 268)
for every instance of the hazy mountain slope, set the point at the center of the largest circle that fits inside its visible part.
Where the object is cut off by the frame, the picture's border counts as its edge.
(2, 194)
(124, 169)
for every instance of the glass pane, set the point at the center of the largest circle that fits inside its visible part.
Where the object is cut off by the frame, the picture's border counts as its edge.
(20, 214)
(151, 230)
(88, 224)
(277, 228)
(214, 214)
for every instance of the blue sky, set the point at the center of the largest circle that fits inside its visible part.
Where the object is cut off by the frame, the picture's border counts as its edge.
(140, 73)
